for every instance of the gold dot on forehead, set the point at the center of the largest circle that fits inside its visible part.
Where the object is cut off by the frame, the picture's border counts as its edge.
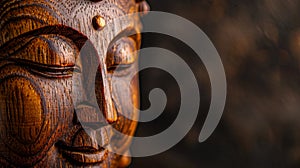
(98, 22)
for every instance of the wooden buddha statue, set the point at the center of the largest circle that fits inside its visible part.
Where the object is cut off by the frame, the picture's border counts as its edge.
(41, 45)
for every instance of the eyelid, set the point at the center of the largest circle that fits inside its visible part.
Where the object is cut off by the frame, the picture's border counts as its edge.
(47, 50)
(45, 70)
(122, 52)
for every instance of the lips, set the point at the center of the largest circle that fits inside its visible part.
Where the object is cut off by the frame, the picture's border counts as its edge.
(87, 145)
(89, 158)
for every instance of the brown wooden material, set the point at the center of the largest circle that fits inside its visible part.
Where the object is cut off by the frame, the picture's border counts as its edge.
(40, 44)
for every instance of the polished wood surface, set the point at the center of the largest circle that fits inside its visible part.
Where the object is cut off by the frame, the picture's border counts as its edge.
(41, 106)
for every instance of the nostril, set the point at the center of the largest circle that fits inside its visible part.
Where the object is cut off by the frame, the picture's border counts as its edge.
(96, 0)
(75, 118)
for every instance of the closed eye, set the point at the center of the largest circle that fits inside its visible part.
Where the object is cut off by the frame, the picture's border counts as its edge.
(48, 50)
(46, 70)
(122, 54)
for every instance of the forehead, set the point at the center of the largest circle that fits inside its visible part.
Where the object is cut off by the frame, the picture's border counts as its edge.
(19, 17)
(69, 21)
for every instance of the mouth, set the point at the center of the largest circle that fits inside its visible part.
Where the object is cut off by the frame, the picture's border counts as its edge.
(84, 155)
(87, 146)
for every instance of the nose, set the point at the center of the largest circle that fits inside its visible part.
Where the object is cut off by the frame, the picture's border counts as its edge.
(104, 96)
(95, 86)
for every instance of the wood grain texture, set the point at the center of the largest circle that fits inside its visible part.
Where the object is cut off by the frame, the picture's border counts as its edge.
(44, 98)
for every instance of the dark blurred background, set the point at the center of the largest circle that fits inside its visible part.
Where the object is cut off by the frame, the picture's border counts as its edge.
(259, 44)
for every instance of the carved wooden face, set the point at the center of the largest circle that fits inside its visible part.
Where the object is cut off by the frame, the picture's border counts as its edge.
(49, 94)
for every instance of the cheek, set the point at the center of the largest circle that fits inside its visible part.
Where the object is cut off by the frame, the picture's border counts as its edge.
(126, 98)
(22, 114)
(34, 111)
